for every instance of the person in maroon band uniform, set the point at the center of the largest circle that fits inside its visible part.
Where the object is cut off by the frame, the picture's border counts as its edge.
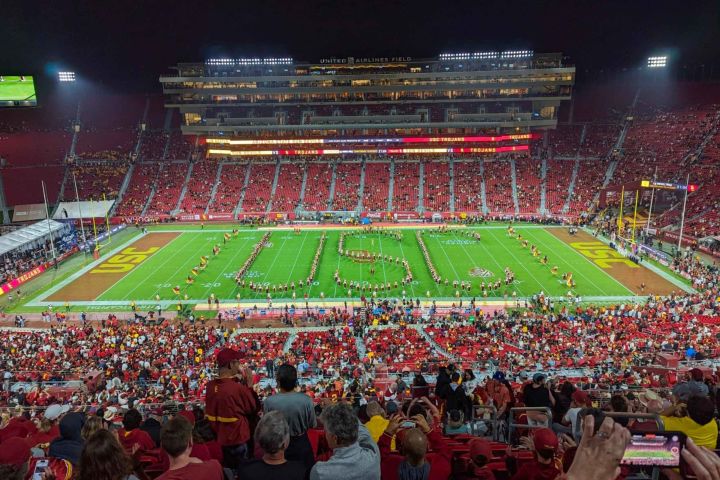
(230, 406)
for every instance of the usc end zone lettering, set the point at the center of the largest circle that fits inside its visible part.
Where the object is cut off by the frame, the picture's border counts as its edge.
(602, 255)
(125, 261)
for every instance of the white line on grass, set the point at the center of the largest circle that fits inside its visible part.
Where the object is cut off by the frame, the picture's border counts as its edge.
(230, 263)
(168, 277)
(591, 263)
(337, 268)
(518, 261)
(383, 261)
(275, 259)
(457, 276)
(63, 283)
(489, 255)
(299, 251)
(125, 277)
(402, 252)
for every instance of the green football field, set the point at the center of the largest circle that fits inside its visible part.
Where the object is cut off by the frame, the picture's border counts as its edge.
(287, 257)
(11, 88)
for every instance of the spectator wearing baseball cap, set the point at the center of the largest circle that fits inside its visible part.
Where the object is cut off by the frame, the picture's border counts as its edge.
(480, 455)
(545, 465)
(14, 459)
(498, 391)
(48, 428)
(230, 405)
(578, 400)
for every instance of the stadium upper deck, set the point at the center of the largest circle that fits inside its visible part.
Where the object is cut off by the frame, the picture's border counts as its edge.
(456, 93)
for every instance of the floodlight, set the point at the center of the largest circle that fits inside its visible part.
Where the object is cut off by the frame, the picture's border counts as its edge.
(66, 76)
(657, 62)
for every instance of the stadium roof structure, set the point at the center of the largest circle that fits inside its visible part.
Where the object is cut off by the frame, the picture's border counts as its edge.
(27, 235)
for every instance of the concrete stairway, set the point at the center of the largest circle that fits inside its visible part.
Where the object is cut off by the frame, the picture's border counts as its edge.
(331, 193)
(214, 190)
(451, 169)
(543, 187)
(361, 190)
(361, 349)
(298, 209)
(483, 195)
(238, 208)
(123, 189)
(421, 189)
(571, 187)
(184, 190)
(153, 188)
(513, 176)
(391, 186)
(288, 343)
(274, 186)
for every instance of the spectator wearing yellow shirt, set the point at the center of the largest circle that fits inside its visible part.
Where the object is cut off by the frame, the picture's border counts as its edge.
(377, 423)
(696, 420)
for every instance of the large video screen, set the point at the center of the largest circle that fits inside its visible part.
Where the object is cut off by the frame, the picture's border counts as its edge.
(17, 91)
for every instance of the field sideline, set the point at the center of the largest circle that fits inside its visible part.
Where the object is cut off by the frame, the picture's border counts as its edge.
(149, 267)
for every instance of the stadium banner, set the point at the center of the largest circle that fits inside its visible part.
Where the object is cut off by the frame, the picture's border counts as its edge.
(16, 282)
(221, 216)
(28, 212)
(89, 209)
(68, 241)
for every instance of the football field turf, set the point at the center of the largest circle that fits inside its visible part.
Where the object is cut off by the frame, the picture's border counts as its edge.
(11, 88)
(162, 262)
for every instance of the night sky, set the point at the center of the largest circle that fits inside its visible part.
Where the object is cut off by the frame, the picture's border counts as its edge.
(125, 45)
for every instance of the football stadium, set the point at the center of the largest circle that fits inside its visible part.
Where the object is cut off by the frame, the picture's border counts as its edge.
(476, 259)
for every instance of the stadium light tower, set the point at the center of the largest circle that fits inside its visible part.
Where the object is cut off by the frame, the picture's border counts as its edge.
(66, 76)
(657, 62)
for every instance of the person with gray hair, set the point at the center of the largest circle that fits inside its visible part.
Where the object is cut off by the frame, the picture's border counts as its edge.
(272, 434)
(355, 455)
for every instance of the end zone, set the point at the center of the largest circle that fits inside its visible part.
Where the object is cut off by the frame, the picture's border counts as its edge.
(104, 273)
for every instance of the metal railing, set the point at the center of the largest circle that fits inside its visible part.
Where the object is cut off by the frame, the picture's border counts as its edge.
(511, 419)
(493, 420)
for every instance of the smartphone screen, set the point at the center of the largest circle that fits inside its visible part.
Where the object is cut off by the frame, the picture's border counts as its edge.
(40, 468)
(661, 449)
(408, 425)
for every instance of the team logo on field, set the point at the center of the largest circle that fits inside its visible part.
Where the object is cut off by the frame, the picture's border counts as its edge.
(481, 272)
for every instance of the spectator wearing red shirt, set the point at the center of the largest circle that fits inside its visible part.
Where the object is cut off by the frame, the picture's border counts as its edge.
(545, 466)
(414, 461)
(48, 428)
(230, 406)
(480, 454)
(176, 440)
(131, 437)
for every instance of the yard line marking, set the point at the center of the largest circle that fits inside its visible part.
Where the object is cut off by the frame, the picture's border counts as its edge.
(383, 263)
(402, 252)
(169, 277)
(222, 272)
(591, 263)
(85, 269)
(279, 250)
(487, 251)
(457, 276)
(133, 271)
(540, 284)
(437, 286)
(297, 256)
